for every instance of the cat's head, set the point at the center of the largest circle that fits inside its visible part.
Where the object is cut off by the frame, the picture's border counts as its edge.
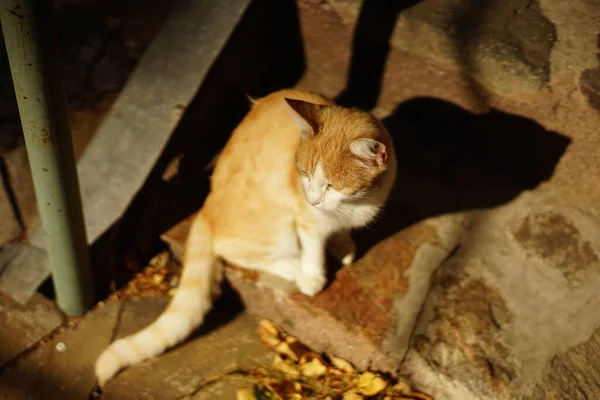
(342, 153)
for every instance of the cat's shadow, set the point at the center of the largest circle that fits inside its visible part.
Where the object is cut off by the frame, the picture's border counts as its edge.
(451, 160)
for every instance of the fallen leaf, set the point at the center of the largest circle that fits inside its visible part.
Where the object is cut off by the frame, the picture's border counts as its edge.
(352, 395)
(280, 365)
(336, 372)
(268, 333)
(313, 368)
(245, 394)
(402, 387)
(284, 349)
(370, 384)
(341, 364)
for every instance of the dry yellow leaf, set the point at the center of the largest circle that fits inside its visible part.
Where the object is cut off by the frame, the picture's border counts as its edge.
(291, 339)
(370, 384)
(352, 395)
(337, 384)
(342, 364)
(245, 394)
(280, 365)
(402, 387)
(309, 356)
(284, 349)
(268, 333)
(295, 396)
(336, 372)
(313, 368)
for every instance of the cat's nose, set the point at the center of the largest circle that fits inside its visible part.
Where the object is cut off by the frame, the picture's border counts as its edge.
(314, 202)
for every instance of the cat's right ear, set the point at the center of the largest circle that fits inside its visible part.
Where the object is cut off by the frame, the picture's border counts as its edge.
(305, 115)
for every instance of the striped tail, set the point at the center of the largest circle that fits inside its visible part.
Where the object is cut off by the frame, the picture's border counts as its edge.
(185, 312)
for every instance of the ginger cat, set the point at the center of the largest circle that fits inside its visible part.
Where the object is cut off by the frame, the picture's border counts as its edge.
(296, 175)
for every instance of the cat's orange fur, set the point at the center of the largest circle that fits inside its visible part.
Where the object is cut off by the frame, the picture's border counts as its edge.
(297, 173)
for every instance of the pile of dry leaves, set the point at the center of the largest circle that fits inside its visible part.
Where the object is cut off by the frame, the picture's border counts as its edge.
(299, 373)
(159, 277)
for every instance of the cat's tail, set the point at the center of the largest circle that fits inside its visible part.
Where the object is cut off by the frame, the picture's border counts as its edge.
(186, 311)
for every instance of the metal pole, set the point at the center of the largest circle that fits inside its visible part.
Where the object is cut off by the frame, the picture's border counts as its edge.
(31, 43)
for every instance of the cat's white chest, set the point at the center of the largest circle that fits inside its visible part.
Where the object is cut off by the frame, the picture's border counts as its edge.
(348, 217)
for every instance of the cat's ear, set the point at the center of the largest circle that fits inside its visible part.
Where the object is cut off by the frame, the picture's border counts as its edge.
(305, 115)
(369, 151)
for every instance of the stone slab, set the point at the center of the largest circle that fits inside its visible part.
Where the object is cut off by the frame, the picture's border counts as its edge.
(367, 312)
(503, 306)
(221, 346)
(22, 325)
(226, 343)
(574, 374)
(503, 44)
(52, 372)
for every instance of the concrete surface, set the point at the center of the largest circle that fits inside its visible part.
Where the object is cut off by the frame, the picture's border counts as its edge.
(62, 367)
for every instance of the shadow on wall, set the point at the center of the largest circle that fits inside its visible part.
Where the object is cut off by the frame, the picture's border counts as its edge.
(449, 159)
(370, 48)
(371, 45)
(452, 160)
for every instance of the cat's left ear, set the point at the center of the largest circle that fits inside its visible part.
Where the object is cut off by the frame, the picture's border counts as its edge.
(305, 115)
(370, 151)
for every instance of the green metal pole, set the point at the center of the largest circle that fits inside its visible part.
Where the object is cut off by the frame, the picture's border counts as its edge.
(31, 43)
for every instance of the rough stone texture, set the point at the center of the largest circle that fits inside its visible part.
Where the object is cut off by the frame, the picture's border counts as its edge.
(550, 236)
(590, 82)
(47, 373)
(503, 44)
(23, 325)
(500, 309)
(367, 313)
(574, 374)
(224, 347)
(51, 374)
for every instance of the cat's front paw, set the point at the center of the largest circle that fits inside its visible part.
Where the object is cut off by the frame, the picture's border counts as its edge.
(342, 248)
(310, 285)
(348, 258)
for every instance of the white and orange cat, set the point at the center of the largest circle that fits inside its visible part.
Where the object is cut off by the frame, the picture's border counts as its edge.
(296, 175)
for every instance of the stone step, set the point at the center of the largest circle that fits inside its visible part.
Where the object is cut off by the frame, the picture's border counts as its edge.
(367, 313)
(63, 366)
